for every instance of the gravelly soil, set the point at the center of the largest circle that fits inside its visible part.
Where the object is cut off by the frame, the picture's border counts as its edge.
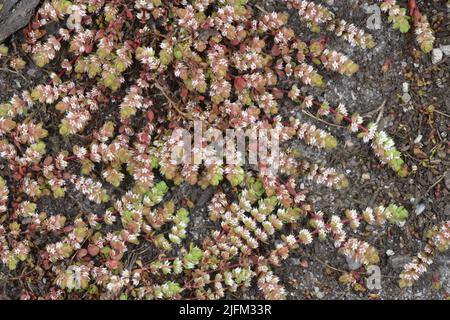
(314, 273)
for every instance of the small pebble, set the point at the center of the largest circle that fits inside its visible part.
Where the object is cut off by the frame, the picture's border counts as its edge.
(319, 294)
(445, 49)
(33, 72)
(419, 208)
(406, 97)
(418, 139)
(405, 87)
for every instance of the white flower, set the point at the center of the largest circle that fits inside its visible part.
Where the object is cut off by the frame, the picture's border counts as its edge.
(305, 237)
(290, 240)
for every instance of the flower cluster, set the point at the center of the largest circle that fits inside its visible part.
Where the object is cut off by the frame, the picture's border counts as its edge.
(4, 192)
(311, 12)
(91, 189)
(316, 14)
(268, 283)
(424, 34)
(354, 35)
(413, 270)
(440, 236)
(384, 148)
(74, 278)
(323, 175)
(338, 62)
(315, 136)
(439, 239)
(360, 251)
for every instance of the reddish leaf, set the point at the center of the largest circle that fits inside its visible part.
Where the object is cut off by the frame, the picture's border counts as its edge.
(184, 92)
(89, 47)
(240, 84)
(82, 253)
(278, 94)
(276, 50)
(93, 250)
(150, 116)
(144, 138)
(112, 264)
(235, 42)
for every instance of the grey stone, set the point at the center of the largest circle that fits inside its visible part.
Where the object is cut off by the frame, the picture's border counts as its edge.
(405, 86)
(33, 72)
(294, 261)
